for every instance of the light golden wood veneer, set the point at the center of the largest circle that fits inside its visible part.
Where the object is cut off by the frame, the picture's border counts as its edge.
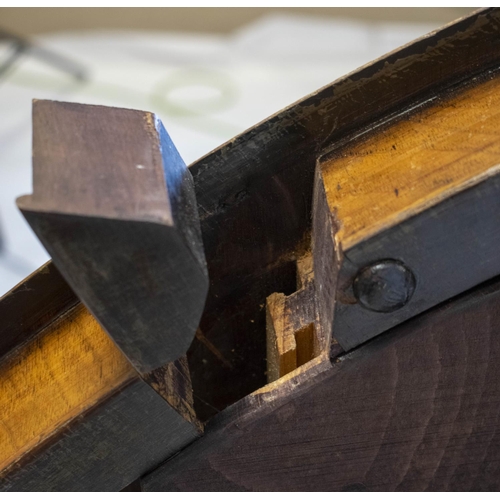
(414, 163)
(63, 371)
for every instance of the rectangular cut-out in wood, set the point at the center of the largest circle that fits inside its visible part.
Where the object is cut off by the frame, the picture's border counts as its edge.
(415, 409)
(114, 205)
(423, 191)
(293, 334)
(235, 184)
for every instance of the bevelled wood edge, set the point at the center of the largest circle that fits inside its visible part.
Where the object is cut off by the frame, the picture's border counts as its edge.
(114, 205)
(137, 278)
(107, 448)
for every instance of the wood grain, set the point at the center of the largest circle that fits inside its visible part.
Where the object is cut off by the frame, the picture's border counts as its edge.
(76, 416)
(67, 152)
(64, 371)
(416, 409)
(414, 164)
(406, 191)
(250, 249)
(108, 447)
(291, 325)
(173, 383)
(31, 305)
(114, 205)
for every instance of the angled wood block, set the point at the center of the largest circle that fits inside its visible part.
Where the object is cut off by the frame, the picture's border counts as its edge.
(329, 425)
(407, 215)
(114, 205)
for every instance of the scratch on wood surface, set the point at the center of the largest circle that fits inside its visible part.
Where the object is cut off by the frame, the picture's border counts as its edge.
(201, 337)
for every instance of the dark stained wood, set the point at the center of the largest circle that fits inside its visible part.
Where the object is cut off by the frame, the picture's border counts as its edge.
(31, 305)
(417, 408)
(423, 190)
(107, 448)
(134, 486)
(114, 205)
(251, 248)
(173, 383)
(450, 248)
(248, 245)
(326, 260)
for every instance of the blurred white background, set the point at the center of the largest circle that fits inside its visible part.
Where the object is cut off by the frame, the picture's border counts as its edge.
(206, 88)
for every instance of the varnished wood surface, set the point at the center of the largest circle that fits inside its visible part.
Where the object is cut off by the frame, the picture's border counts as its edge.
(249, 247)
(64, 371)
(422, 190)
(418, 408)
(423, 158)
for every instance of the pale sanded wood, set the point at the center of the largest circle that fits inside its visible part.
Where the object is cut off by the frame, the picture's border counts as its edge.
(291, 328)
(414, 164)
(69, 367)
(281, 346)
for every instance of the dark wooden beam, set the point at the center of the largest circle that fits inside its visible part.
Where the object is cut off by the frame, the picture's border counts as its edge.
(251, 248)
(114, 205)
(31, 305)
(415, 409)
(107, 448)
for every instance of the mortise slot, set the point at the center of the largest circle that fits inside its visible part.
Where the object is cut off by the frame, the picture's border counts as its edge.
(292, 333)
